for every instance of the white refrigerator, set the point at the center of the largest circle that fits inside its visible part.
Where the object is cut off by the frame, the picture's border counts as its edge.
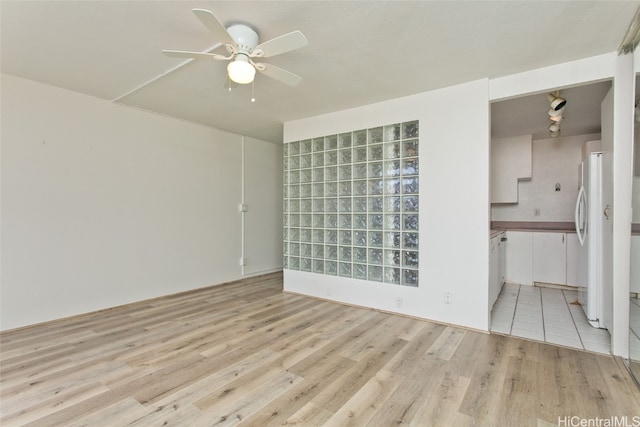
(589, 219)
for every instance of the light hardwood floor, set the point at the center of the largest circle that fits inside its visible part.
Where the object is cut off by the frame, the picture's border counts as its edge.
(245, 353)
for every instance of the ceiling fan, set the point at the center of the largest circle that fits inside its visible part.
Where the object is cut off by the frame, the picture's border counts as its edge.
(242, 44)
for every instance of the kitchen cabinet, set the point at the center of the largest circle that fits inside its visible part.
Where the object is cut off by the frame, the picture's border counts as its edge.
(496, 267)
(549, 257)
(573, 251)
(519, 258)
(538, 256)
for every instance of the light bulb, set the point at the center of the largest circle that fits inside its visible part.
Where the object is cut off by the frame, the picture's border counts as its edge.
(241, 71)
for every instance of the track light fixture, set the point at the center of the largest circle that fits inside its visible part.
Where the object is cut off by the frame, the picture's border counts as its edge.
(557, 103)
(556, 109)
(556, 119)
(554, 113)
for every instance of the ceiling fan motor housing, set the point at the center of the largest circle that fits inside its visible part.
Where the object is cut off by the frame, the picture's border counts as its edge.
(243, 44)
(244, 36)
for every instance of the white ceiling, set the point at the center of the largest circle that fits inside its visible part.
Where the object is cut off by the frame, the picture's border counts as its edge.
(359, 51)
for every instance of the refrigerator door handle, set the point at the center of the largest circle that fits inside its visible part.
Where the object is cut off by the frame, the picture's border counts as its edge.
(579, 216)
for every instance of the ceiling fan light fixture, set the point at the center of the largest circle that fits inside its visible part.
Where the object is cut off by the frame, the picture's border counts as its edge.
(243, 43)
(241, 71)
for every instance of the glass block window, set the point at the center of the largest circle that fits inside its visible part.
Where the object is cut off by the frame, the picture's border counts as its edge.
(351, 204)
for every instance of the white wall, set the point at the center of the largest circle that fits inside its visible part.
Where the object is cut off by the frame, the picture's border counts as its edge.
(454, 206)
(263, 197)
(623, 121)
(555, 160)
(511, 161)
(541, 80)
(104, 205)
(607, 133)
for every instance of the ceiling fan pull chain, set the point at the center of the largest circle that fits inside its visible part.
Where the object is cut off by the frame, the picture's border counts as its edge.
(253, 91)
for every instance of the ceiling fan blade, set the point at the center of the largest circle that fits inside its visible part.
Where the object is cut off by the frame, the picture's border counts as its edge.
(197, 55)
(214, 25)
(284, 43)
(279, 74)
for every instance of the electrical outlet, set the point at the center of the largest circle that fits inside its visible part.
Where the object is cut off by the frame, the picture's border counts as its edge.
(447, 297)
(536, 212)
(399, 302)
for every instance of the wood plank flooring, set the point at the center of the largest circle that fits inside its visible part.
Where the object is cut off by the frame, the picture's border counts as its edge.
(245, 353)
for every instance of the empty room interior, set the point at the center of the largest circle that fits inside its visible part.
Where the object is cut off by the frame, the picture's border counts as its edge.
(319, 213)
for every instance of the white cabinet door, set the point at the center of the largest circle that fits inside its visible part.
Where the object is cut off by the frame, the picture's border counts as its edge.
(573, 250)
(550, 257)
(502, 263)
(519, 258)
(494, 259)
(496, 268)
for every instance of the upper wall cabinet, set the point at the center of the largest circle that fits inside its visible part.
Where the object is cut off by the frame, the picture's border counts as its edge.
(510, 161)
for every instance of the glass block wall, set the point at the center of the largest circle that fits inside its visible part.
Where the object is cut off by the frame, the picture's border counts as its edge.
(351, 204)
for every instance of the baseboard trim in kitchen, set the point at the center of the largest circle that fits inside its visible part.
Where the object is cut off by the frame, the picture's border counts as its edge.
(555, 286)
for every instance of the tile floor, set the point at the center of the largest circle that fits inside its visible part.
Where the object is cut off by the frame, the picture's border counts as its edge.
(549, 315)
